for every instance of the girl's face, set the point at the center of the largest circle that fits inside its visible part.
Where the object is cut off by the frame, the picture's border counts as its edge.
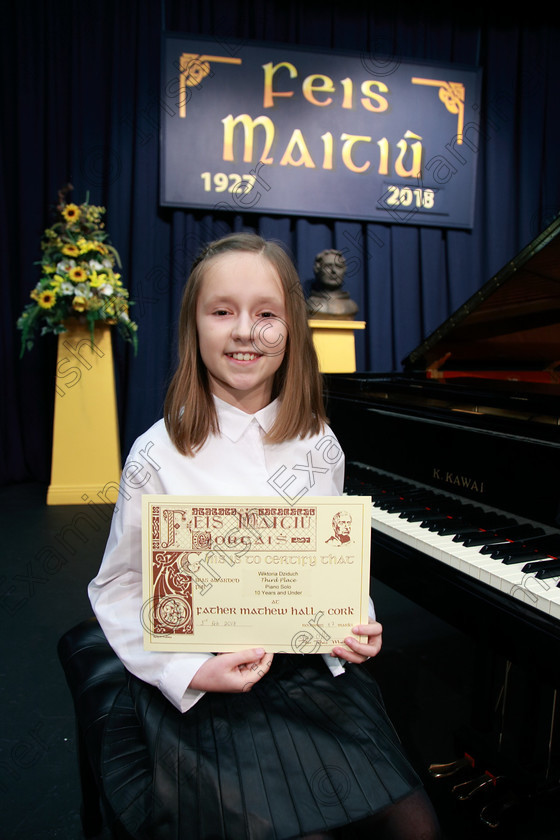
(241, 326)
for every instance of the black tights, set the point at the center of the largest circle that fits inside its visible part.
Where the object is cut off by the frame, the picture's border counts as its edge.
(412, 818)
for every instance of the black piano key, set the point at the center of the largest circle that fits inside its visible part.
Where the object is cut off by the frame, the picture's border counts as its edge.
(537, 565)
(386, 497)
(456, 526)
(494, 548)
(380, 496)
(452, 522)
(387, 502)
(485, 540)
(435, 507)
(516, 532)
(498, 551)
(408, 512)
(402, 503)
(518, 551)
(424, 515)
(488, 523)
(551, 571)
(432, 516)
(421, 515)
(464, 534)
(403, 507)
(511, 559)
(535, 548)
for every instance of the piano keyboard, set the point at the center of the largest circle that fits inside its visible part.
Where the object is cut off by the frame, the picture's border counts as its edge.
(518, 557)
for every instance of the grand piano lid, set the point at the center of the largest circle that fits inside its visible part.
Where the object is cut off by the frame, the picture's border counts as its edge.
(509, 329)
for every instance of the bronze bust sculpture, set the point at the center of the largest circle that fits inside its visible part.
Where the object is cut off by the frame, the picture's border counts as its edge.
(327, 299)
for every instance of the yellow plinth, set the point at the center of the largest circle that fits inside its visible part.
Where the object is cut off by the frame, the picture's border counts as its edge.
(334, 344)
(86, 452)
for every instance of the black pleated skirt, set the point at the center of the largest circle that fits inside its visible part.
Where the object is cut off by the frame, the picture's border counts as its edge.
(302, 752)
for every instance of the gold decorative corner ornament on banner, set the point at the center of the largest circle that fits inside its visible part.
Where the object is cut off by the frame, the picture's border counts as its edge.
(79, 297)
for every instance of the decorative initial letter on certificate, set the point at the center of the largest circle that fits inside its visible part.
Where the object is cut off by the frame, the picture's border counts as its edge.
(225, 574)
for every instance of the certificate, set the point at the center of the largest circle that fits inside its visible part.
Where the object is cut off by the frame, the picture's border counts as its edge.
(229, 573)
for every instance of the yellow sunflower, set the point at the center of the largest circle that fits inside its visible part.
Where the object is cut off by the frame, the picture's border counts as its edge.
(71, 250)
(46, 299)
(77, 274)
(71, 213)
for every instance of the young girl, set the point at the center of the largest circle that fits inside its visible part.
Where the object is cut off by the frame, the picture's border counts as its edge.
(249, 745)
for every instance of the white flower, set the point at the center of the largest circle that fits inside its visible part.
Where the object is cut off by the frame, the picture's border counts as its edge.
(107, 263)
(83, 290)
(67, 288)
(106, 289)
(65, 266)
(95, 265)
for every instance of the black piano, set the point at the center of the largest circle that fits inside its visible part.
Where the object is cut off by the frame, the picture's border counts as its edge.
(461, 454)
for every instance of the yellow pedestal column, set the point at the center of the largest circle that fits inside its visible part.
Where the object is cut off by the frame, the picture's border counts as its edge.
(86, 452)
(334, 344)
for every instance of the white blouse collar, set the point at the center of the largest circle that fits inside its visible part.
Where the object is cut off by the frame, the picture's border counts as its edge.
(234, 422)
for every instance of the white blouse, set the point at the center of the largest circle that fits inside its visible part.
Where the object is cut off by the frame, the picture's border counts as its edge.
(234, 463)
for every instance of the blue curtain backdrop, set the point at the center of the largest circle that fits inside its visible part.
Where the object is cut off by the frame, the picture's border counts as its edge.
(81, 104)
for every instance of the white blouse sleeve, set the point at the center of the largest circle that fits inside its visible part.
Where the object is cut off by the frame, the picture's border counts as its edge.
(116, 598)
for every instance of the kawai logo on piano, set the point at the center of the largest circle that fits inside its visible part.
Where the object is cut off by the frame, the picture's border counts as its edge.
(465, 482)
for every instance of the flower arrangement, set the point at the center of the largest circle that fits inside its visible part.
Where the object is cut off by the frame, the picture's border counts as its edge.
(78, 277)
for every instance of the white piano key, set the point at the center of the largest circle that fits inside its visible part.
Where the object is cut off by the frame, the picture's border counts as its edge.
(507, 578)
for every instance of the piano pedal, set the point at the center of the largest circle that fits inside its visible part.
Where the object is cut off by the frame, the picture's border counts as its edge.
(466, 790)
(440, 771)
(493, 813)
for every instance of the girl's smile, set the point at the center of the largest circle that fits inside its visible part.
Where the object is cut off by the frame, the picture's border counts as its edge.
(243, 357)
(241, 325)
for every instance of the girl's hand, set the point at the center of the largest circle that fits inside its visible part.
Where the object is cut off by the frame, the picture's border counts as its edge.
(359, 652)
(232, 672)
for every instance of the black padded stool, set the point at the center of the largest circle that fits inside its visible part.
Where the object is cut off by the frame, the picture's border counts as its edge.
(98, 683)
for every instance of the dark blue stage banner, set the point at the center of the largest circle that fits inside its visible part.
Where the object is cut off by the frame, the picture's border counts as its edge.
(282, 130)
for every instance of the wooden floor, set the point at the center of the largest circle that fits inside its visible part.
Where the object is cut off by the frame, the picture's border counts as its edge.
(426, 671)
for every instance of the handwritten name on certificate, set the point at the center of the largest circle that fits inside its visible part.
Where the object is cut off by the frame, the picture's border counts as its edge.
(224, 574)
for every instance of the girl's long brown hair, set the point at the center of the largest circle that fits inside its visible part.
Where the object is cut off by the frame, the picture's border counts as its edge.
(189, 412)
